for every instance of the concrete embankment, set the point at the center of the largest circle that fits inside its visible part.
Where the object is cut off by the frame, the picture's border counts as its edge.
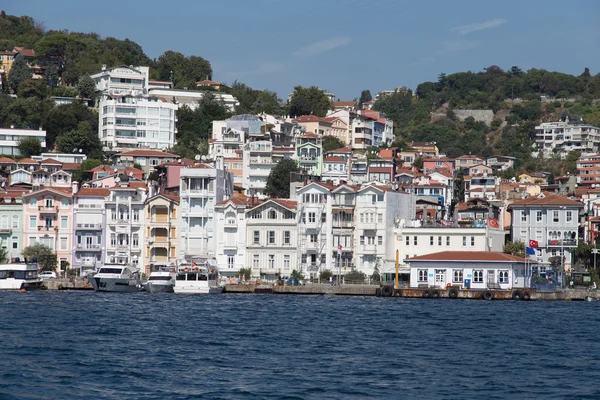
(67, 284)
(314, 289)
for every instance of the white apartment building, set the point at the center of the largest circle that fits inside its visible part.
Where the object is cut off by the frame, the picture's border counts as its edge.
(10, 137)
(89, 221)
(549, 219)
(124, 224)
(257, 164)
(202, 186)
(230, 236)
(362, 131)
(130, 117)
(271, 229)
(565, 136)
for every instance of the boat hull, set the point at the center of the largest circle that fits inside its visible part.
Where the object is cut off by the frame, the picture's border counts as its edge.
(114, 284)
(195, 289)
(153, 287)
(18, 284)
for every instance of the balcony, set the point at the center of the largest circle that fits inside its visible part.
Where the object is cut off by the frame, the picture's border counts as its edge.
(6, 230)
(48, 210)
(562, 243)
(343, 224)
(368, 248)
(90, 226)
(121, 246)
(262, 160)
(47, 228)
(310, 159)
(158, 240)
(88, 247)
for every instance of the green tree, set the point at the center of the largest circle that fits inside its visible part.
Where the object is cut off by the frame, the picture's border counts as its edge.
(51, 75)
(184, 71)
(278, 181)
(33, 88)
(325, 274)
(308, 101)
(355, 277)
(45, 256)
(296, 276)
(515, 248)
(4, 256)
(245, 273)
(65, 118)
(365, 96)
(29, 146)
(84, 138)
(86, 87)
(82, 174)
(418, 162)
(19, 72)
(331, 143)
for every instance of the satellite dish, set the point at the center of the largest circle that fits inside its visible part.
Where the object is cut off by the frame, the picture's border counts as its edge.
(115, 170)
(197, 157)
(117, 179)
(131, 174)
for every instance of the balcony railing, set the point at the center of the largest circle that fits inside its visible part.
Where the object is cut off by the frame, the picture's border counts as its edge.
(343, 224)
(84, 246)
(564, 242)
(47, 210)
(6, 230)
(89, 226)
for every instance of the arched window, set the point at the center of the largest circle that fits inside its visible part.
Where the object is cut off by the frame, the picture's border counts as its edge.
(272, 214)
(15, 221)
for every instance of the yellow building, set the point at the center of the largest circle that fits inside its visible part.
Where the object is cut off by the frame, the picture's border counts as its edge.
(533, 178)
(161, 220)
(6, 60)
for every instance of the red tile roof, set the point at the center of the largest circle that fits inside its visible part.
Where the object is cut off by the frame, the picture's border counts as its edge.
(70, 166)
(50, 161)
(6, 160)
(334, 159)
(476, 256)
(200, 166)
(309, 135)
(548, 199)
(170, 196)
(27, 161)
(289, 204)
(147, 153)
(469, 156)
(93, 192)
(241, 200)
(65, 191)
(344, 103)
(25, 52)
(180, 161)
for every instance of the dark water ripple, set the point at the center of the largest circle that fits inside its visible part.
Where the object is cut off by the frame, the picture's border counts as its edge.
(65, 345)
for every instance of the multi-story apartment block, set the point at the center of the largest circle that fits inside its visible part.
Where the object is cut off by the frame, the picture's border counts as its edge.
(481, 186)
(431, 164)
(588, 170)
(10, 137)
(467, 161)
(565, 136)
(550, 220)
(48, 219)
(362, 131)
(309, 153)
(271, 229)
(425, 149)
(11, 224)
(128, 116)
(89, 222)
(124, 231)
(257, 164)
(335, 169)
(202, 187)
(161, 224)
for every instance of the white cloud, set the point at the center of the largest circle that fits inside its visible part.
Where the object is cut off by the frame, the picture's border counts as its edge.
(454, 46)
(479, 26)
(322, 46)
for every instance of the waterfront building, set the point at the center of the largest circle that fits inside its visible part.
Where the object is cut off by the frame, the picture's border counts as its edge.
(48, 219)
(161, 224)
(10, 137)
(470, 269)
(564, 136)
(551, 221)
(230, 236)
(202, 186)
(124, 223)
(89, 215)
(11, 224)
(271, 243)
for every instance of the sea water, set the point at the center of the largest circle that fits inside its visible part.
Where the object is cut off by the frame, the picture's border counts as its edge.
(67, 345)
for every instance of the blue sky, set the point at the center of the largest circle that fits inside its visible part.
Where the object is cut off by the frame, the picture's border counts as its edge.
(342, 46)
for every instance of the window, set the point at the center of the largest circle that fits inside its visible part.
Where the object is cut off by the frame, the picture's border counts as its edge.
(408, 240)
(457, 275)
(63, 243)
(271, 261)
(64, 203)
(415, 240)
(286, 261)
(422, 275)
(569, 216)
(256, 261)
(230, 262)
(447, 240)
(314, 238)
(464, 241)
(380, 240)
(49, 202)
(478, 276)
(555, 216)
(15, 242)
(15, 221)
(362, 240)
(503, 276)
(440, 277)
(323, 217)
(431, 240)
(64, 222)
(272, 214)
(380, 217)
(286, 237)
(439, 240)
(113, 240)
(136, 241)
(523, 216)
(271, 237)
(33, 202)
(362, 217)
(538, 216)
(312, 217)
(256, 236)
(472, 241)
(32, 222)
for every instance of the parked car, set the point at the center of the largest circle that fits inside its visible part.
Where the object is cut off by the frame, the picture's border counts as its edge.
(48, 275)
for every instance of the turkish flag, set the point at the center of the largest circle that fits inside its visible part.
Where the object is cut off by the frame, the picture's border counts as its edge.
(493, 223)
(340, 247)
(534, 244)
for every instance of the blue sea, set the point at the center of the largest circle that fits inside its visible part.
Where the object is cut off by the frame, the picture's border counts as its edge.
(75, 345)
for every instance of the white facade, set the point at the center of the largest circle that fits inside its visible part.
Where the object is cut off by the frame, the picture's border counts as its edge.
(124, 233)
(271, 229)
(230, 236)
(190, 98)
(202, 186)
(563, 137)
(9, 139)
(257, 164)
(89, 243)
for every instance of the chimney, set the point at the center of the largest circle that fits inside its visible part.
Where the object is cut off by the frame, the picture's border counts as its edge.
(75, 187)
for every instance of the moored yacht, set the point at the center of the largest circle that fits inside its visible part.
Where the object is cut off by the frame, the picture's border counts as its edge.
(18, 276)
(197, 278)
(162, 280)
(116, 278)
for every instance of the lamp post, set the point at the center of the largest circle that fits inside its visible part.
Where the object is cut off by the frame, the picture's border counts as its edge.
(595, 251)
(562, 244)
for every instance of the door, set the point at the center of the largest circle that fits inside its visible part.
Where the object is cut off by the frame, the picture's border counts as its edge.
(491, 281)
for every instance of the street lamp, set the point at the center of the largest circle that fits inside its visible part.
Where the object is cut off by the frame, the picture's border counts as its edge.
(562, 243)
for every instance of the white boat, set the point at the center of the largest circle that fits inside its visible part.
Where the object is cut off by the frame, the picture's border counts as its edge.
(197, 278)
(116, 278)
(162, 280)
(19, 276)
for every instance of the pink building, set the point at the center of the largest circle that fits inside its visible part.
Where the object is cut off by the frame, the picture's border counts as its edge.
(431, 164)
(48, 219)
